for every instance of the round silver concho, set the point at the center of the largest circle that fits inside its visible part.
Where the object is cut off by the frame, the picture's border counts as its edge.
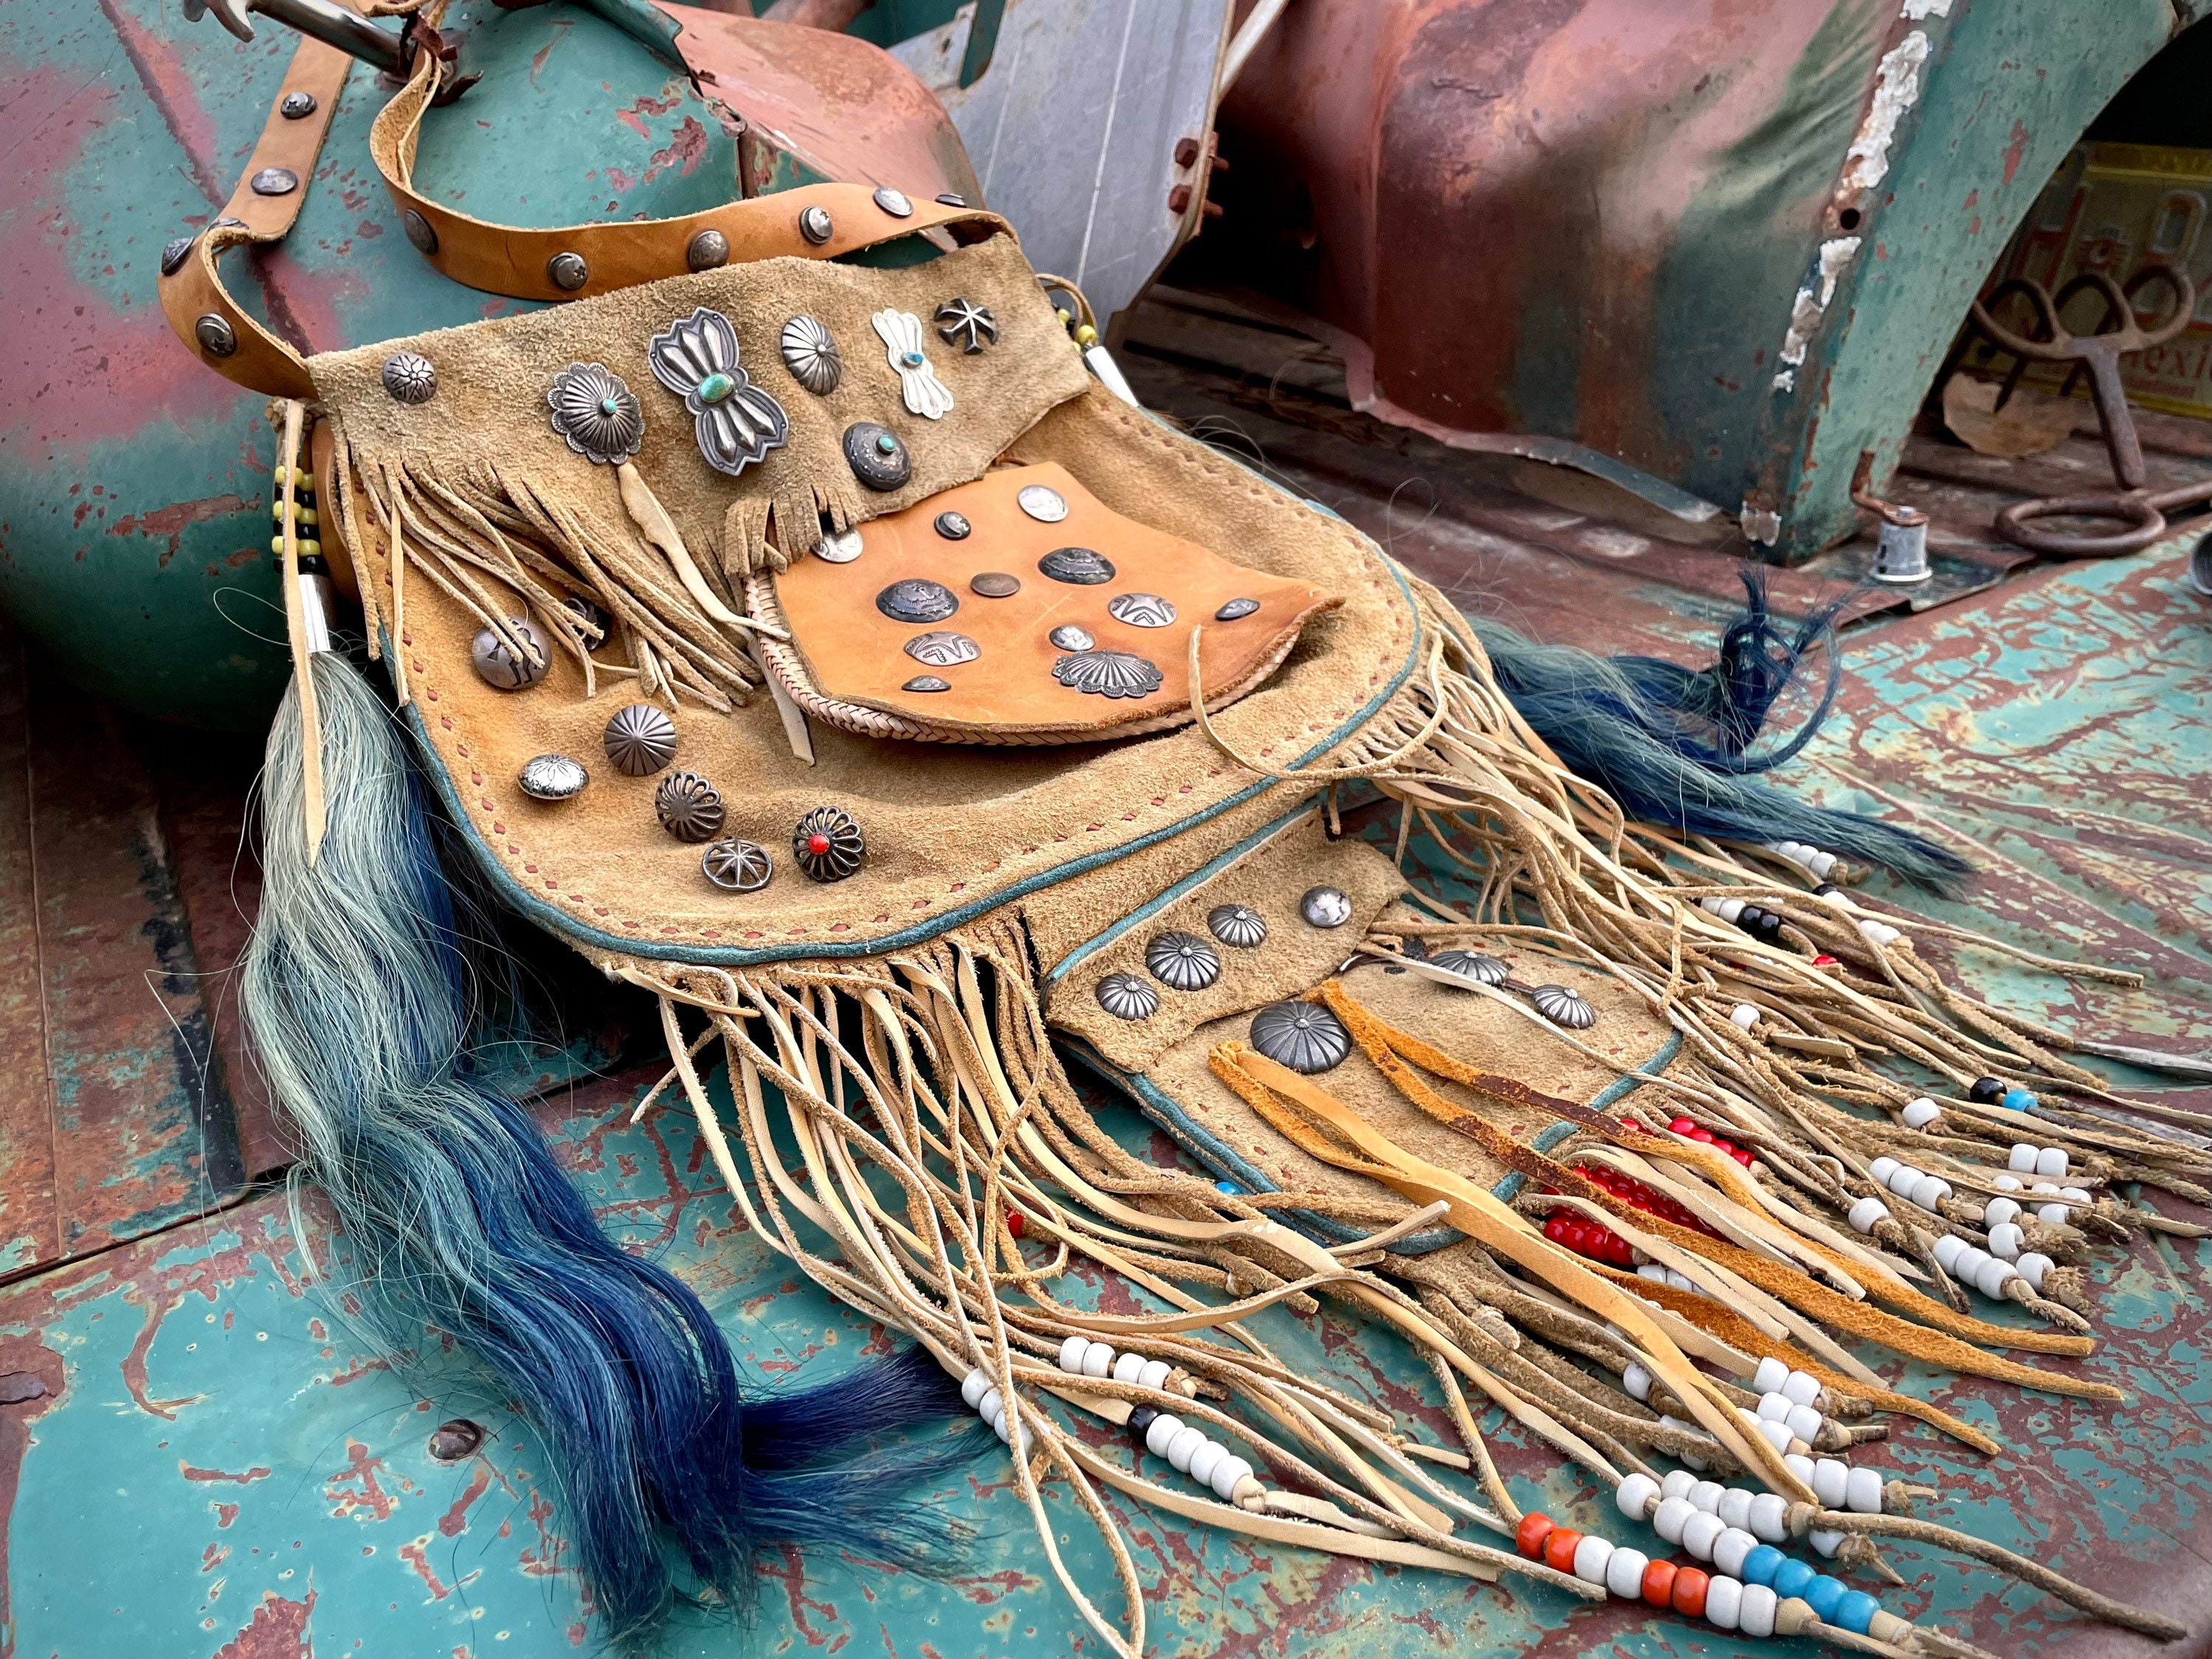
(1126, 997)
(409, 378)
(1563, 1008)
(736, 866)
(1142, 610)
(810, 352)
(1183, 961)
(943, 650)
(1042, 502)
(690, 807)
(502, 668)
(917, 599)
(828, 844)
(1472, 965)
(927, 682)
(1236, 608)
(552, 777)
(1068, 637)
(1079, 567)
(1235, 925)
(640, 740)
(1325, 907)
(1113, 675)
(596, 413)
(1302, 1036)
(835, 548)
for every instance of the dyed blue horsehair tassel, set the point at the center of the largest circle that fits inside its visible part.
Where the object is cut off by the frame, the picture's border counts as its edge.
(1675, 745)
(356, 992)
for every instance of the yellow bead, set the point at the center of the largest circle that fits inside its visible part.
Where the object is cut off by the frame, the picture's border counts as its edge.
(1086, 335)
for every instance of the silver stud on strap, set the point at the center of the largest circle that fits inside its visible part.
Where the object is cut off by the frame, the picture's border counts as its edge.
(215, 336)
(567, 271)
(706, 250)
(814, 224)
(276, 181)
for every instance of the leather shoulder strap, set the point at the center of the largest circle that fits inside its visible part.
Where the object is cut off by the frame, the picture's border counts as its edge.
(817, 221)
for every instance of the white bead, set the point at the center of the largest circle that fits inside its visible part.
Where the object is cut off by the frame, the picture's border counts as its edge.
(1676, 1483)
(1652, 1270)
(1773, 1407)
(2056, 1214)
(1947, 1246)
(1635, 1382)
(1799, 1465)
(1635, 1495)
(1734, 1507)
(2045, 1189)
(1877, 932)
(1705, 1496)
(1711, 902)
(1097, 1359)
(1826, 1542)
(1743, 1016)
(1803, 1422)
(1700, 1533)
(1624, 1573)
(1671, 1516)
(1770, 1377)
(1866, 1212)
(2033, 1266)
(1801, 1388)
(2005, 1240)
(1731, 908)
(1789, 850)
(1969, 1261)
(1755, 1616)
(2050, 1161)
(1682, 1281)
(1919, 1114)
(1730, 1549)
(1903, 1178)
(1070, 1354)
(1154, 1374)
(2079, 1194)
(1227, 1476)
(1777, 1435)
(1592, 1556)
(1989, 1278)
(1862, 1491)
(1128, 1367)
(972, 1386)
(2006, 1183)
(998, 1420)
(1830, 1478)
(1770, 1514)
(992, 1401)
(1723, 1600)
(1183, 1445)
(1998, 1211)
(1821, 863)
(1205, 1461)
(1159, 1431)
(2022, 1158)
(1929, 1190)
(1882, 1169)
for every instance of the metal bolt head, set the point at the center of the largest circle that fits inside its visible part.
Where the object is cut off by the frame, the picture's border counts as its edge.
(276, 181)
(214, 336)
(894, 202)
(174, 254)
(409, 378)
(706, 250)
(418, 231)
(298, 105)
(814, 224)
(567, 271)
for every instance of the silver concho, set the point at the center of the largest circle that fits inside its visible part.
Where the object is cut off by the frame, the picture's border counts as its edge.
(919, 389)
(1471, 964)
(640, 740)
(1126, 997)
(1142, 610)
(1079, 567)
(690, 807)
(1302, 1036)
(917, 599)
(828, 844)
(941, 649)
(838, 549)
(1068, 637)
(1111, 674)
(736, 866)
(409, 378)
(1183, 961)
(927, 682)
(1324, 907)
(552, 777)
(1042, 502)
(876, 456)
(810, 352)
(499, 667)
(1563, 1006)
(1237, 926)
(736, 422)
(596, 413)
(1234, 609)
(966, 324)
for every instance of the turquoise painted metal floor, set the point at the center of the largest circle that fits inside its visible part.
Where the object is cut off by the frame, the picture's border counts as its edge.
(198, 1456)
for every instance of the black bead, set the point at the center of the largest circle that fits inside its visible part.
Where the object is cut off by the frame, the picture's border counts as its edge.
(1769, 924)
(1824, 889)
(1986, 1089)
(1748, 918)
(1140, 1418)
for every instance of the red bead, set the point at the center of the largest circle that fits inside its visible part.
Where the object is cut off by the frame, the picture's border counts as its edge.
(1659, 1584)
(1622, 1252)
(1700, 1132)
(1741, 1156)
(1690, 1586)
(1681, 1125)
(1560, 1547)
(1528, 1538)
(1824, 961)
(1015, 1223)
(818, 843)
(1556, 1228)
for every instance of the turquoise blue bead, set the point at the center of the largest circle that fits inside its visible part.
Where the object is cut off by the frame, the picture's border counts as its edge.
(1229, 1187)
(1823, 1594)
(1855, 1612)
(1791, 1578)
(1761, 1564)
(2018, 1100)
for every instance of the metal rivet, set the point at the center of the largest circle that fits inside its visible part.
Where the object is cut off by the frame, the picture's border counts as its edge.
(953, 526)
(814, 224)
(1325, 907)
(1236, 925)
(927, 682)
(451, 1440)
(995, 584)
(498, 665)
(1068, 637)
(1042, 502)
(276, 181)
(736, 866)
(214, 336)
(409, 378)
(567, 271)
(1183, 961)
(690, 807)
(943, 650)
(418, 231)
(298, 105)
(706, 251)
(1234, 609)
(1142, 610)
(174, 255)
(1126, 997)
(552, 777)
(917, 599)
(894, 202)
(640, 740)
(810, 352)
(1302, 1036)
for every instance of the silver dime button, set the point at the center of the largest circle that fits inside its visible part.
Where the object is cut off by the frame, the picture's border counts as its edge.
(1325, 907)
(1068, 637)
(838, 549)
(1042, 502)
